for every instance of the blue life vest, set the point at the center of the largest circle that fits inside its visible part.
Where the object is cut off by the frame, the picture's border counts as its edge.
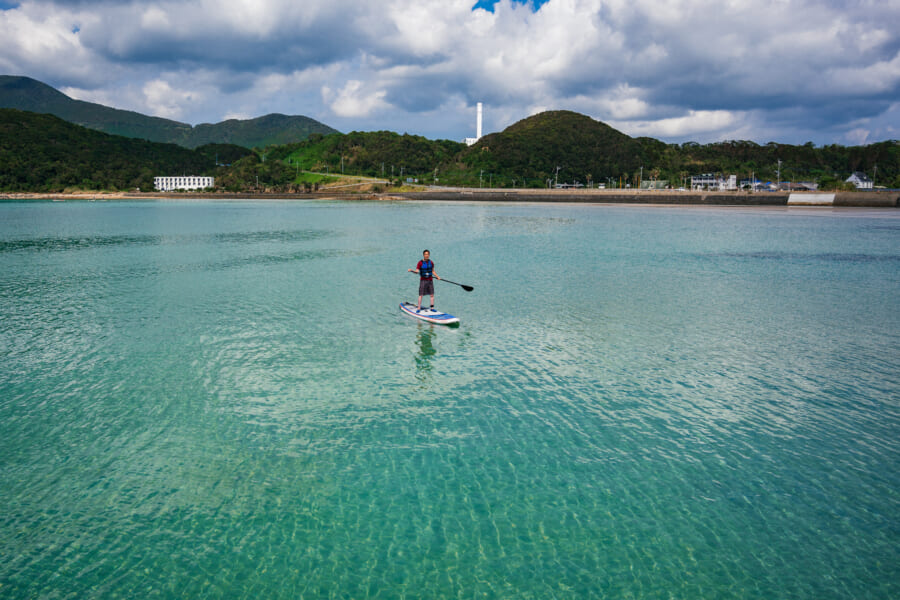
(426, 269)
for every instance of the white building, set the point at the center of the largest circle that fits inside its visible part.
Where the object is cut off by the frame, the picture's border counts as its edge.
(187, 182)
(470, 141)
(861, 181)
(709, 181)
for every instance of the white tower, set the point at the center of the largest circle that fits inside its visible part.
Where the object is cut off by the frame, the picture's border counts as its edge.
(478, 124)
(470, 141)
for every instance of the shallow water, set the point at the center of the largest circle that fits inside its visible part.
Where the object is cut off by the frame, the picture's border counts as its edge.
(213, 400)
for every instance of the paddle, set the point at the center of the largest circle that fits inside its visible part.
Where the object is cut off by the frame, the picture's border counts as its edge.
(468, 288)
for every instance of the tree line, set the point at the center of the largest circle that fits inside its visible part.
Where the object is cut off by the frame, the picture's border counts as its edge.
(41, 153)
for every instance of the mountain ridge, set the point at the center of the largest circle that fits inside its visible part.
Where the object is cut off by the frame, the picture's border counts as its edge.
(541, 150)
(27, 94)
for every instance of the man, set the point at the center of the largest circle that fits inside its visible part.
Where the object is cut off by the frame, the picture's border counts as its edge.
(425, 269)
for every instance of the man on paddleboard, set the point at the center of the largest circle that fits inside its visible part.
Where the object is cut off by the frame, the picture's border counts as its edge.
(425, 269)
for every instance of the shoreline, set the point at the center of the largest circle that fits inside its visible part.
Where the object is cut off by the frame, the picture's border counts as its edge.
(875, 199)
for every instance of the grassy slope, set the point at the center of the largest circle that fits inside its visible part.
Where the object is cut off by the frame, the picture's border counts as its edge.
(370, 153)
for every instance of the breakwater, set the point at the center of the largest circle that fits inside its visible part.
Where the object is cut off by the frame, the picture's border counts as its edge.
(855, 199)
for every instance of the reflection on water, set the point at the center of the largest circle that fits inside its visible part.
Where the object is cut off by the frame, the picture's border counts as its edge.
(424, 357)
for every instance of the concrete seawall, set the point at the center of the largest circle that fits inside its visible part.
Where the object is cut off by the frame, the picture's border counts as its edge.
(857, 199)
(868, 199)
(837, 199)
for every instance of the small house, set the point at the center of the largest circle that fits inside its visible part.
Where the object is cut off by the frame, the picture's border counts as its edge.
(861, 181)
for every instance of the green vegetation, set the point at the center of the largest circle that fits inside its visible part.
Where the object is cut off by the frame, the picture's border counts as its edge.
(375, 154)
(586, 151)
(798, 163)
(256, 133)
(43, 153)
(30, 95)
(527, 153)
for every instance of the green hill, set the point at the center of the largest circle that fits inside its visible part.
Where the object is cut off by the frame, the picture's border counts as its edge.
(257, 133)
(43, 153)
(527, 154)
(373, 153)
(533, 148)
(30, 95)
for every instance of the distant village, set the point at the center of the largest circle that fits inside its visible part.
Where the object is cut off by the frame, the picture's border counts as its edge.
(707, 182)
(719, 183)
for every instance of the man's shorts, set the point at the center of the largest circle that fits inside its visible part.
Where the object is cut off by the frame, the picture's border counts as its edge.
(426, 287)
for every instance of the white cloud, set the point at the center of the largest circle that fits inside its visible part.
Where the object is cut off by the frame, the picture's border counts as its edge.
(879, 77)
(44, 41)
(354, 99)
(163, 100)
(692, 123)
(858, 136)
(155, 18)
(680, 69)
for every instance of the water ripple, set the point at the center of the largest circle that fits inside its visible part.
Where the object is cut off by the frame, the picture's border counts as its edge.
(642, 404)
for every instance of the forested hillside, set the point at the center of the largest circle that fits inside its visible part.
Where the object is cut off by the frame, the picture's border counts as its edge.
(43, 153)
(569, 147)
(377, 153)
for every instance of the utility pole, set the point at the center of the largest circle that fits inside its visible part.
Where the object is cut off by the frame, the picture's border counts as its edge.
(481, 179)
(778, 173)
(556, 183)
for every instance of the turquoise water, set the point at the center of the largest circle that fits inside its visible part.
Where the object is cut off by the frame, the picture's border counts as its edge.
(222, 400)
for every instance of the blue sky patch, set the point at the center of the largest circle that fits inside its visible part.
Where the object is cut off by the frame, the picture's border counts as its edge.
(8, 5)
(488, 5)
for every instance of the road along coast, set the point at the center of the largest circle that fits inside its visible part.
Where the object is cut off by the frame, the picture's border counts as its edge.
(857, 199)
(878, 199)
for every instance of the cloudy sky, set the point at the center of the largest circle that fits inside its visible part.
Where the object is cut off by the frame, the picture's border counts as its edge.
(826, 71)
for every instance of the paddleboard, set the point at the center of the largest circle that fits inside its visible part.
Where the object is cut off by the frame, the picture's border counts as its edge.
(426, 314)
